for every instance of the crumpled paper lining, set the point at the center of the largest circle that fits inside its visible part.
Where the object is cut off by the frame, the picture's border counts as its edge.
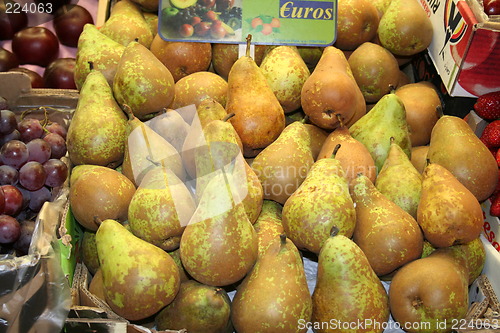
(35, 294)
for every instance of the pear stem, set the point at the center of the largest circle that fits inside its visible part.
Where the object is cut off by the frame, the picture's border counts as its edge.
(305, 119)
(392, 139)
(128, 111)
(392, 89)
(229, 116)
(335, 150)
(283, 239)
(249, 39)
(91, 65)
(334, 231)
(97, 220)
(339, 119)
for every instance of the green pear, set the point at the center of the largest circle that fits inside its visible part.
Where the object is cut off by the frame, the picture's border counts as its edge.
(89, 251)
(197, 308)
(258, 120)
(219, 245)
(274, 296)
(98, 129)
(139, 278)
(405, 28)
(172, 127)
(145, 149)
(347, 289)
(142, 81)
(388, 235)
(160, 209)
(283, 165)
(176, 255)
(321, 202)
(455, 146)
(448, 213)
(385, 120)
(102, 51)
(99, 193)
(268, 225)
(429, 295)
(126, 23)
(286, 72)
(400, 181)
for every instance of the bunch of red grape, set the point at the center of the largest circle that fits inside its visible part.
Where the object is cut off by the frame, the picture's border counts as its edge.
(30, 167)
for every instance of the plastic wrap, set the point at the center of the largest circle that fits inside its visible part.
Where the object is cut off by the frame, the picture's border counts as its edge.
(34, 292)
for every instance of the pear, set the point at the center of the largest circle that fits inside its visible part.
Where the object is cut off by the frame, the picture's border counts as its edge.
(429, 295)
(375, 69)
(139, 278)
(389, 236)
(448, 212)
(224, 56)
(176, 255)
(283, 165)
(219, 245)
(147, 5)
(152, 21)
(404, 28)
(210, 109)
(88, 250)
(195, 87)
(423, 109)
(100, 193)
(274, 296)
(357, 23)
(146, 149)
(160, 209)
(385, 120)
(455, 146)
(172, 127)
(310, 55)
(96, 286)
(317, 137)
(354, 156)
(268, 225)
(98, 128)
(399, 181)
(197, 308)
(331, 90)
(142, 81)
(135, 28)
(419, 157)
(347, 289)
(321, 202)
(102, 51)
(286, 72)
(258, 121)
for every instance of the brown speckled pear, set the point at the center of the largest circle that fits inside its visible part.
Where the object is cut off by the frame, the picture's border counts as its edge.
(318, 137)
(448, 212)
(419, 157)
(455, 146)
(258, 120)
(142, 82)
(321, 202)
(357, 23)
(126, 23)
(399, 181)
(268, 225)
(354, 156)
(347, 289)
(274, 297)
(219, 245)
(389, 236)
(224, 56)
(139, 278)
(283, 165)
(331, 90)
(98, 129)
(198, 86)
(432, 292)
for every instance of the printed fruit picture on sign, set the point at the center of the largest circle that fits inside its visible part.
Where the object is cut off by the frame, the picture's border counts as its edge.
(212, 20)
(264, 24)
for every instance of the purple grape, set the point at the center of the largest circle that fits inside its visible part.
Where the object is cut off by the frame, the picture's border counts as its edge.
(39, 150)
(30, 129)
(8, 122)
(23, 243)
(13, 200)
(56, 171)
(14, 153)
(57, 145)
(4, 105)
(2, 201)
(10, 229)
(14, 135)
(8, 175)
(57, 128)
(32, 176)
(38, 198)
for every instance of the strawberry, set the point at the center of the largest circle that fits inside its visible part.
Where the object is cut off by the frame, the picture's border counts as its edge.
(495, 206)
(487, 106)
(491, 134)
(497, 156)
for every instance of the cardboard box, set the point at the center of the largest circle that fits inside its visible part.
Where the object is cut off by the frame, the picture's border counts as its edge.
(34, 292)
(465, 48)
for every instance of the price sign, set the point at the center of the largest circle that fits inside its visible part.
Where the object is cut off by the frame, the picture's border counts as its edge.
(276, 22)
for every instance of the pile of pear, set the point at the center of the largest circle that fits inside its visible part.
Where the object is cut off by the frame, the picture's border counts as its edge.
(198, 174)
